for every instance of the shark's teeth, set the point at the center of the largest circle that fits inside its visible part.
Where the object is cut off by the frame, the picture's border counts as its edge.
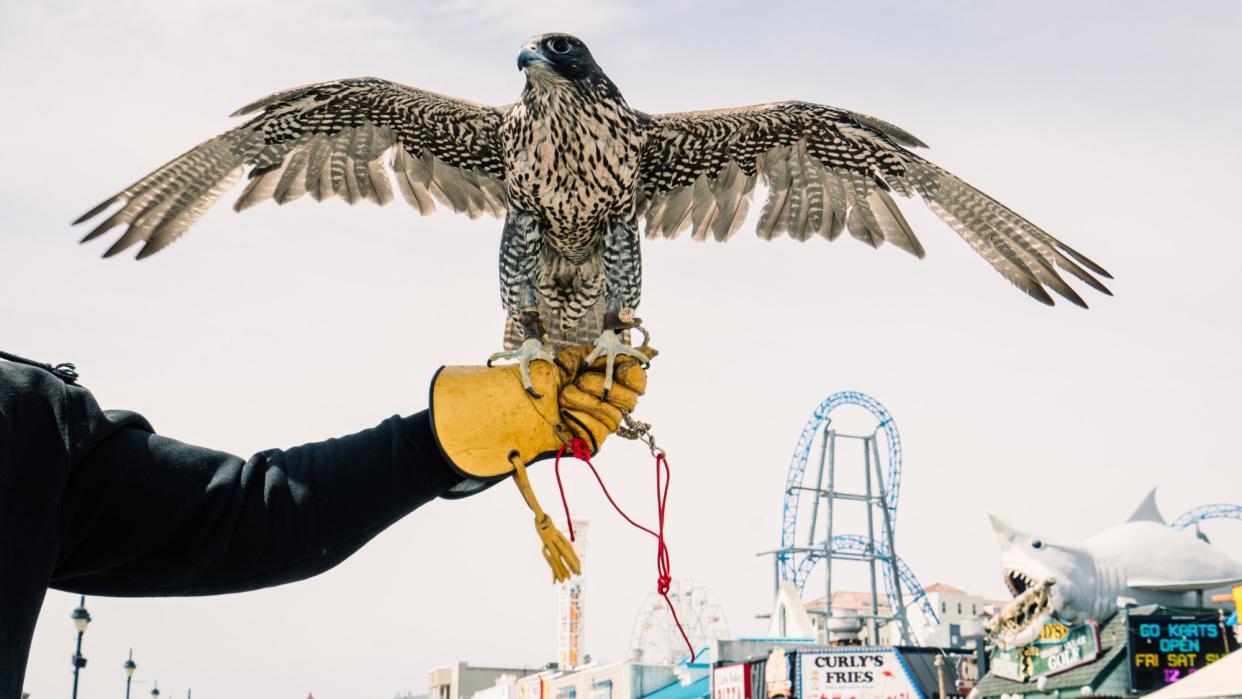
(1018, 581)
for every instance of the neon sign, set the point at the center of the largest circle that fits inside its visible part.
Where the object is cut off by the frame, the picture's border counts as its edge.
(1164, 648)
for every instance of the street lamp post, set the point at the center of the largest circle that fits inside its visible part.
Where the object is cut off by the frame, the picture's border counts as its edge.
(81, 619)
(155, 691)
(130, 666)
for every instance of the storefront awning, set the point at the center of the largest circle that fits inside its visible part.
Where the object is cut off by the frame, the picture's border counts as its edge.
(698, 689)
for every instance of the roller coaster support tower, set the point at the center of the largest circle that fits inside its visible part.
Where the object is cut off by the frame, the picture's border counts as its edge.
(796, 559)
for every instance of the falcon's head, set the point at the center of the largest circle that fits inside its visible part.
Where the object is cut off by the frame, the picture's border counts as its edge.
(557, 56)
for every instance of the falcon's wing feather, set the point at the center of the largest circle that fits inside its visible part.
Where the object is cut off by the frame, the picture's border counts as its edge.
(325, 140)
(828, 170)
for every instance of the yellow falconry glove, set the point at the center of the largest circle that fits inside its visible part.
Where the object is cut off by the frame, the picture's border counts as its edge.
(488, 426)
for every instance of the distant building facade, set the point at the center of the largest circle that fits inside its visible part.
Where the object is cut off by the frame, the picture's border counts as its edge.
(616, 680)
(463, 681)
(959, 614)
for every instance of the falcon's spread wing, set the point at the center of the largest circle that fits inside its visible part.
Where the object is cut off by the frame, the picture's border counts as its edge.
(327, 140)
(827, 170)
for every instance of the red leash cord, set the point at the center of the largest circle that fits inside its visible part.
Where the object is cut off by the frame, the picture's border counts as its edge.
(582, 452)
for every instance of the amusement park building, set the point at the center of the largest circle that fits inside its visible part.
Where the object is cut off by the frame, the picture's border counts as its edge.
(463, 681)
(1110, 672)
(748, 660)
(957, 609)
(615, 680)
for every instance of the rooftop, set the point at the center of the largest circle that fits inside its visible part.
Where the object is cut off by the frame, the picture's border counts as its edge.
(944, 587)
(856, 601)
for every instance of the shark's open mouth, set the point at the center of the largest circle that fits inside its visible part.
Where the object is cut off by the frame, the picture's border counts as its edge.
(1022, 620)
(1018, 581)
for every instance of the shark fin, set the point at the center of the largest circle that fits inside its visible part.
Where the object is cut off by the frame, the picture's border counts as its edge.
(1155, 585)
(1147, 510)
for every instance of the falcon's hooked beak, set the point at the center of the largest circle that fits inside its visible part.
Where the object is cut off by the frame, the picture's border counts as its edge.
(530, 55)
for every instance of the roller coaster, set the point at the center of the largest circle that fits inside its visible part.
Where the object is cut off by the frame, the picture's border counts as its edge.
(1202, 513)
(796, 562)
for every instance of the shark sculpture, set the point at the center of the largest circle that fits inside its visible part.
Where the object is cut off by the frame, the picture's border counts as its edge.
(1143, 559)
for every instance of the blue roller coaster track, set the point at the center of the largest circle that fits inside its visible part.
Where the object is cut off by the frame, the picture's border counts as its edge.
(852, 543)
(796, 564)
(1219, 510)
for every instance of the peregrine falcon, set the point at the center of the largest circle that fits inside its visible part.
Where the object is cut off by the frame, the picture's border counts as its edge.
(573, 168)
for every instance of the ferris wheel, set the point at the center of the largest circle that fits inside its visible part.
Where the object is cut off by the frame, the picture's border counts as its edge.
(656, 640)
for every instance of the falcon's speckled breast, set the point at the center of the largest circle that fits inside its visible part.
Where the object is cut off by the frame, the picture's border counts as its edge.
(572, 156)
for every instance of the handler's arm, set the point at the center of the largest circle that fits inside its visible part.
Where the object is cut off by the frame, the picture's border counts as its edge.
(148, 515)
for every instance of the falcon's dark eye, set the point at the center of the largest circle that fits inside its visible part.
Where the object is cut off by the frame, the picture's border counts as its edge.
(559, 45)
(1037, 544)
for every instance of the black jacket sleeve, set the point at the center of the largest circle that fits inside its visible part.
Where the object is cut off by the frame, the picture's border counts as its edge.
(93, 501)
(142, 514)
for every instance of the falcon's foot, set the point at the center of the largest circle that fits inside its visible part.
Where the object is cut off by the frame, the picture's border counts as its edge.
(530, 350)
(610, 346)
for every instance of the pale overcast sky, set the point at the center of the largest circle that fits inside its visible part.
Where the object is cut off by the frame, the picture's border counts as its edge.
(1114, 125)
